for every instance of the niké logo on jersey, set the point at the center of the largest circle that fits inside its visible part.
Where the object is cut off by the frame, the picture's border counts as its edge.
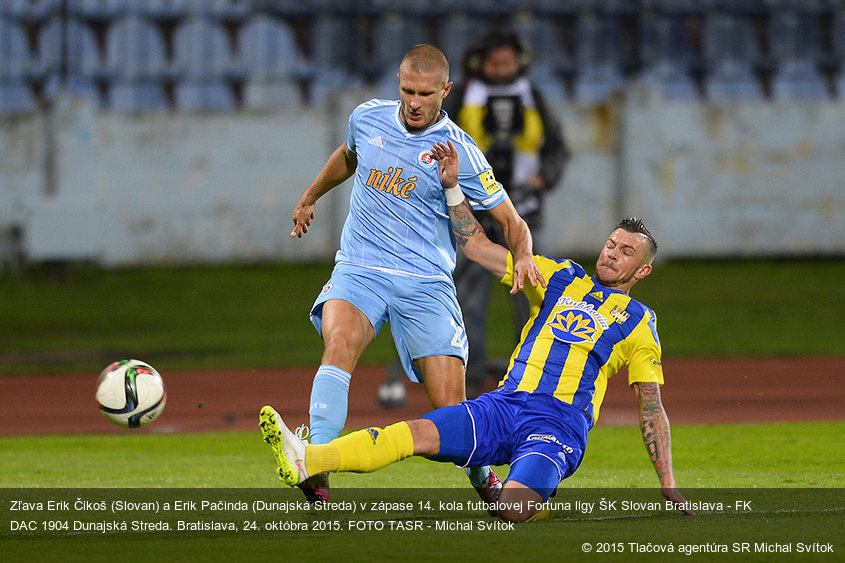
(391, 182)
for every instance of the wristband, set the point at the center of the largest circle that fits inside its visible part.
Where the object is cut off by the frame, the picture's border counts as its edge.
(454, 195)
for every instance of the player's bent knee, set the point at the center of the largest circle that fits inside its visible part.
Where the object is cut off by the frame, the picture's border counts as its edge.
(519, 503)
(426, 437)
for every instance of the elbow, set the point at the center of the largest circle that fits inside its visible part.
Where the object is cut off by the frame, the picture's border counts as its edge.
(472, 250)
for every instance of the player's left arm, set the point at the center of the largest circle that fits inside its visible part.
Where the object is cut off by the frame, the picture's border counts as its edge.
(656, 436)
(469, 234)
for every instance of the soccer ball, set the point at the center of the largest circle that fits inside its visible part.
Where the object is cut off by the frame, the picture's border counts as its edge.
(130, 393)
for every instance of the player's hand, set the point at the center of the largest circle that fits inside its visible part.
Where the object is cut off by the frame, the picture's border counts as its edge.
(674, 495)
(525, 267)
(447, 163)
(302, 216)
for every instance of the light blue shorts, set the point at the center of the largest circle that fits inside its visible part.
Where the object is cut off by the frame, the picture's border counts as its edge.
(424, 315)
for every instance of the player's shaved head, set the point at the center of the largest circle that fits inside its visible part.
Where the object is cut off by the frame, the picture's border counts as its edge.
(426, 59)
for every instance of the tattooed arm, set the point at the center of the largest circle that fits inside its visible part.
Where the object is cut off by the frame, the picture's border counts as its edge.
(655, 427)
(471, 238)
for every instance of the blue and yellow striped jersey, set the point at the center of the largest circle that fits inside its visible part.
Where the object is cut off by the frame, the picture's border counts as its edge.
(579, 334)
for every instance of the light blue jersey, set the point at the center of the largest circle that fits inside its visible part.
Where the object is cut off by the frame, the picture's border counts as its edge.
(398, 221)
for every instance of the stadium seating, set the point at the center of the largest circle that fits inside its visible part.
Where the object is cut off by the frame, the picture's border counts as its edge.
(136, 65)
(16, 97)
(732, 80)
(203, 65)
(197, 95)
(730, 52)
(334, 56)
(140, 95)
(549, 82)
(201, 49)
(478, 10)
(83, 56)
(671, 79)
(798, 79)
(667, 56)
(28, 10)
(16, 59)
(16, 69)
(162, 10)
(222, 10)
(69, 58)
(267, 48)
(145, 54)
(544, 38)
(793, 35)
(662, 38)
(101, 10)
(838, 33)
(597, 51)
(135, 48)
(393, 35)
(796, 50)
(455, 35)
(273, 63)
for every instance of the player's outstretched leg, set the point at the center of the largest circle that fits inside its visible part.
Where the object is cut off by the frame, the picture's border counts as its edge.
(288, 448)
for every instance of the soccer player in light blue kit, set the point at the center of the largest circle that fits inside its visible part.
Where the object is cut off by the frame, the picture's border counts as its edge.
(397, 250)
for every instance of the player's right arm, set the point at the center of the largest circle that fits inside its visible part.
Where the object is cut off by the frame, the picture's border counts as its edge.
(340, 167)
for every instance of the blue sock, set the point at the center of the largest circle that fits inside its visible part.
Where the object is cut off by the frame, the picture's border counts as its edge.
(329, 402)
(478, 475)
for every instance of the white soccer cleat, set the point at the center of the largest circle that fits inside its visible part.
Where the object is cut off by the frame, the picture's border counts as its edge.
(288, 448)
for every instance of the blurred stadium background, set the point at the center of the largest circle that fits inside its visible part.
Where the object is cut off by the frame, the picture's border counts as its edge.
(183, 131)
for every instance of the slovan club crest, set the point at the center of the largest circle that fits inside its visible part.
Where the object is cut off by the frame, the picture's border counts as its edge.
(426, 159)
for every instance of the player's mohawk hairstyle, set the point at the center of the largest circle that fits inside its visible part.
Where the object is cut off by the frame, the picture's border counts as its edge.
(636, 225)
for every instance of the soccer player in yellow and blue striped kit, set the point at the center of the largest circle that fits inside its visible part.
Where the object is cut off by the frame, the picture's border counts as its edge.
(581, 331)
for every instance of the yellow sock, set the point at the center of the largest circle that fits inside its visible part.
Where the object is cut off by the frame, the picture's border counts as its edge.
(544, 514)
(362, 451)
(321, 457)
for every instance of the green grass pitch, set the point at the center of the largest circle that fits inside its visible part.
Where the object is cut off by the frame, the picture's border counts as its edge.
(234, 316)
(791, 474)
(757, 462)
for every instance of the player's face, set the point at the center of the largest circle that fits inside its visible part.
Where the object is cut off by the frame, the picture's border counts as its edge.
(623, 260)
(500, 66)
(421, 95)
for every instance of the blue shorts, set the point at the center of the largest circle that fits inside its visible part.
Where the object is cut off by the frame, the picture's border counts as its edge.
(424, 315)
(542, 438)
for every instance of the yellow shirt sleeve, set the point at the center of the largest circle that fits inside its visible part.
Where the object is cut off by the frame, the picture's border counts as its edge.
(645, 365)
(547, 267)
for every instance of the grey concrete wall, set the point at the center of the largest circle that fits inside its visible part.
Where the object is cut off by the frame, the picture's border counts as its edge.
(744, 179)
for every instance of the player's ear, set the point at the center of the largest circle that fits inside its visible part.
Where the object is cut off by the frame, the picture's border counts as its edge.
(644, 270)
(447, 89)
